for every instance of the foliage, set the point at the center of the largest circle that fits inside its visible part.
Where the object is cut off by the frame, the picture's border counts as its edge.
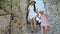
(2, 2)
(15, 2)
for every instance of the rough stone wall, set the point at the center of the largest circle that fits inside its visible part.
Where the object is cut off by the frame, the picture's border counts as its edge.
(4, 17)
(53, 9)
(4, 23)
(19, 9)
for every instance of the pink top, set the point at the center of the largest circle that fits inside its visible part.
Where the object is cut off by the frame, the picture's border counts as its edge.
(44, 21)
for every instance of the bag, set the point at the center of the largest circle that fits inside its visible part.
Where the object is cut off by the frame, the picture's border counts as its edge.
(37, 18)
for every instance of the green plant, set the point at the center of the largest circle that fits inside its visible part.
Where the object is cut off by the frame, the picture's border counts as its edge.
(2, 2)
(15, 2)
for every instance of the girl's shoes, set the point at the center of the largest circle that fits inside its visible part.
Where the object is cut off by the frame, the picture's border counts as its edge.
(48, 28)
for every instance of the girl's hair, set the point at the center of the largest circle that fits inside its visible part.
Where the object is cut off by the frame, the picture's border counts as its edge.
(41, 12)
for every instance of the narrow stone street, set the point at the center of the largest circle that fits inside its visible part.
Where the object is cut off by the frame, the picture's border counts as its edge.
(13, 14)
(29, 30)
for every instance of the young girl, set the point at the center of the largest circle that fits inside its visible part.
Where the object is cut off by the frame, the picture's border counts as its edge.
(44, 23)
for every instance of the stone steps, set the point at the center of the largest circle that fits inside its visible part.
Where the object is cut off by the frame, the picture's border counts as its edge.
(29, 30)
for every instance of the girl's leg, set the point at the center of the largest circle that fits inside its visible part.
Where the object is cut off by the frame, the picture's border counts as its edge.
(46, 30)
(42, 30)
(34, 21)
(31, 25)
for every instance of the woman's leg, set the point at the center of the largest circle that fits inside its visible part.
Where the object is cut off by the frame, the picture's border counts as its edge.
(34, 21)
(31, 25)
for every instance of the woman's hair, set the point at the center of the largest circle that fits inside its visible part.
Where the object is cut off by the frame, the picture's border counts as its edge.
(33, 1)
(34, 8)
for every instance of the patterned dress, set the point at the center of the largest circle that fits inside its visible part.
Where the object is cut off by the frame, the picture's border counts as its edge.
(44, 21)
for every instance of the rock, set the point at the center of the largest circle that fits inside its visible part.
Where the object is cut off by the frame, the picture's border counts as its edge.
(19, 9)
(52, 7)
(2, 11)
(4, 23)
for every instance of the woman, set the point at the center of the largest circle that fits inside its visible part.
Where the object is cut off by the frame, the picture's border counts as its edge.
(32, 16)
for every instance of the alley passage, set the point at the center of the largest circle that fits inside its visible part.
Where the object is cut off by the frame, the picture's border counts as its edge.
(29, 30)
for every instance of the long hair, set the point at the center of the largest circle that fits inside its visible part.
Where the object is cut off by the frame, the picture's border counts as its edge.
(34, 8)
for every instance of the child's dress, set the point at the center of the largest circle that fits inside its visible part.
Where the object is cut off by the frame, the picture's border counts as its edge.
(44, 21)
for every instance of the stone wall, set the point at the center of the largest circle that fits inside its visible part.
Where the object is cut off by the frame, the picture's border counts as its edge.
(19, 10)
(4, 23)
(4, 16)
(53, 9)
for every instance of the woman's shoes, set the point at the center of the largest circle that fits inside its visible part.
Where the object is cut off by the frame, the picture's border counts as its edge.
(32, 31)
(35, 31)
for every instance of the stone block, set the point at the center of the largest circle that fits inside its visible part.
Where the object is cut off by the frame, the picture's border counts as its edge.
(4, 23)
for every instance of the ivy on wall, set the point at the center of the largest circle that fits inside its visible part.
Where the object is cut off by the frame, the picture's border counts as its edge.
(15, 2)
(2, 3)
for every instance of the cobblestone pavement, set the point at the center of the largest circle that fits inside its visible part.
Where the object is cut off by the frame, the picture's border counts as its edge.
(29, 30)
